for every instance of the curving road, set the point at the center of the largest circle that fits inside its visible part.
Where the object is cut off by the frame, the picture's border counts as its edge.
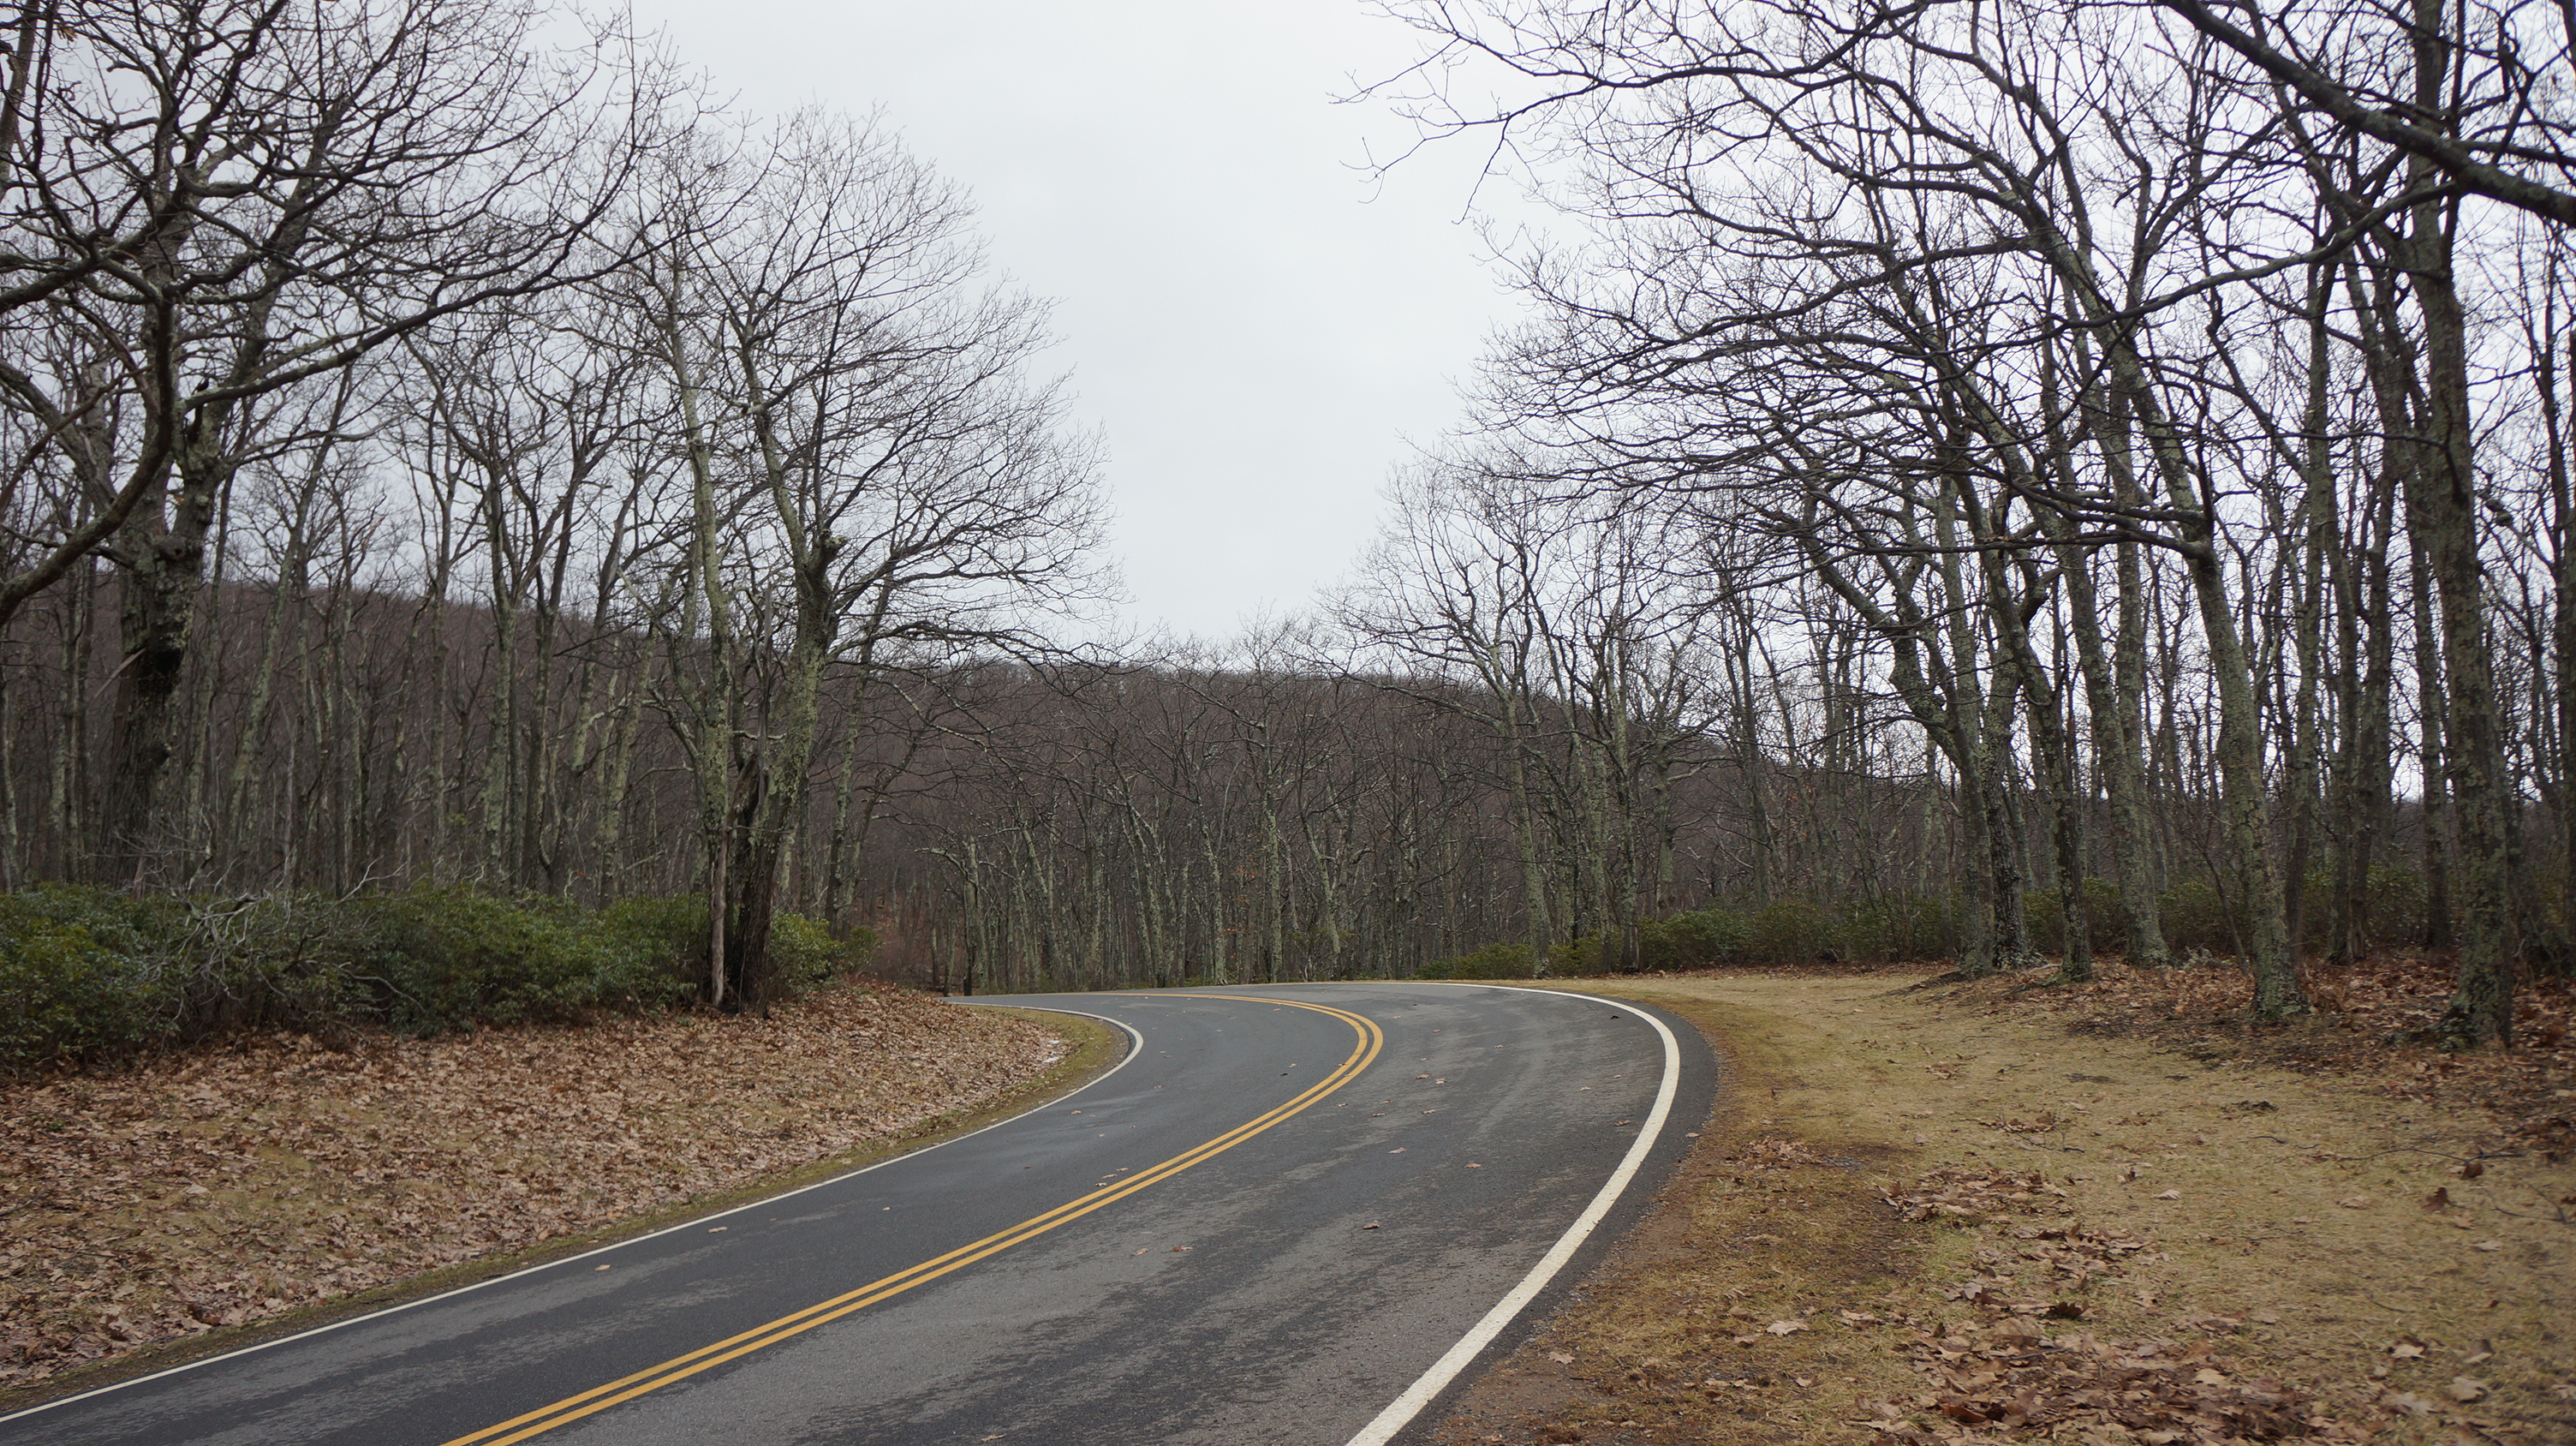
(1293, 1214)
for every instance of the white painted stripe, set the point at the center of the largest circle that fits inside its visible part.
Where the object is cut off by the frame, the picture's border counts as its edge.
(1401, 1411)
(1135, 1048)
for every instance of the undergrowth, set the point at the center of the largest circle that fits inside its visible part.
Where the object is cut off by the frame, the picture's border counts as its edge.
(1906, 928)
(89, 973)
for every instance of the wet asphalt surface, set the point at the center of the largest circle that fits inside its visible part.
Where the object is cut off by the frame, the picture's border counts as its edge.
(1281, 1285)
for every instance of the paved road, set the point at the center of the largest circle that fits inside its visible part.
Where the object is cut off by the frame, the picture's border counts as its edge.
(1264, 1226)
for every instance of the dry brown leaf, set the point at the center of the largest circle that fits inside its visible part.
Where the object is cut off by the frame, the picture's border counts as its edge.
(241, 1179)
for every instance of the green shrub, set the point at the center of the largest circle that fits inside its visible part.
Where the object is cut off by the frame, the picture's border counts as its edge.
(1581, 959)
(2395, 908)
(803, 952)
(296, 961)
(76, 975)
(668, 928)
(2196, 916)
(450, 958)
(1494, 961)
(2106, 917)
(86, 972)
(1898, 928)
(1699, 940)
(1789, 931)
(60, 993)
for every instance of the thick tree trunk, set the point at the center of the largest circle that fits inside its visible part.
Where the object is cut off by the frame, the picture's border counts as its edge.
(2244, 827)
(2443, 512)
(165, 553)
(2118, 766)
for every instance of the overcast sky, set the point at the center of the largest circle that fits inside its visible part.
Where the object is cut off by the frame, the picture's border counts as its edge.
(1258, 328)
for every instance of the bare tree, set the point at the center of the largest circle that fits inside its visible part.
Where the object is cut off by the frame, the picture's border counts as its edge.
(212, 201)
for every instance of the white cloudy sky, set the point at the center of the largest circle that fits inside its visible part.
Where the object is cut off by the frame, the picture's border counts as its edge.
(1259, 330)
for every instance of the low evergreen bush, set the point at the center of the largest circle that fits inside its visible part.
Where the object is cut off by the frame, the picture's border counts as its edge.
(1494, 961)
(79, 972)
(87, 972)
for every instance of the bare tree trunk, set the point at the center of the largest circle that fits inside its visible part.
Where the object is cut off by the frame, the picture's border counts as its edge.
(165, 548)
(2558, 415)
(2320, 530)
(2443, 514)
(2366, 643)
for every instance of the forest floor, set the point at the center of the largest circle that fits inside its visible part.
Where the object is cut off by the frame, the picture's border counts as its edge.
(160, 1211)
(1930, 1210)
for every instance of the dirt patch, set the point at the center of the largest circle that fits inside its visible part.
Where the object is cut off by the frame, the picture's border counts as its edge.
(199, 1196)
(1986, 1213)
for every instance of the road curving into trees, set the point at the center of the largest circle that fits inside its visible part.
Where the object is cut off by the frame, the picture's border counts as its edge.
(1293, 1213)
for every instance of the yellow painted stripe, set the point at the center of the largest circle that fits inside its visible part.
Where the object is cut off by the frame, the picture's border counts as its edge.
(627, 1388)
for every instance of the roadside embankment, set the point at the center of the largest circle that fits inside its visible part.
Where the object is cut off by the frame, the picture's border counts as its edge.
(196, 1196)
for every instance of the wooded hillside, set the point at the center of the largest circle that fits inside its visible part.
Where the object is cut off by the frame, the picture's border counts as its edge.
(1974, 482)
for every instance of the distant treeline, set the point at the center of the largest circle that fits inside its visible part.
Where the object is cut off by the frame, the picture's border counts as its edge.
(1987, 481)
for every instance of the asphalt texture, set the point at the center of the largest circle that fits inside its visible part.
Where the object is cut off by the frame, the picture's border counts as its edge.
(1281, 1284)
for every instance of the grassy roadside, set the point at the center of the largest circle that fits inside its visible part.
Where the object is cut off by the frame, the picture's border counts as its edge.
(1932, 1212)
(1089, 1050)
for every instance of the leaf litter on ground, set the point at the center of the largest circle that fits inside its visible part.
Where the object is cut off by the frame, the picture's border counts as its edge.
(237, 1181)
(2111, 1217)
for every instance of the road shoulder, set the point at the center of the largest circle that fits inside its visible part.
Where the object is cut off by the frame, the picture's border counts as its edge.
(1934, 1214)
(944, 1107)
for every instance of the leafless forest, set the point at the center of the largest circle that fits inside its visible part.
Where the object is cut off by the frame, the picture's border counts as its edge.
(1975, 480)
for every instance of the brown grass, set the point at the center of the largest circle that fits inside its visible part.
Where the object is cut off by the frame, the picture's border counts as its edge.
(2130, 1222)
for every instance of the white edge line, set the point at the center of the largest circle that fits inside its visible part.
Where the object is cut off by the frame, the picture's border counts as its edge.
(1136, 1048)
(1401, 1411)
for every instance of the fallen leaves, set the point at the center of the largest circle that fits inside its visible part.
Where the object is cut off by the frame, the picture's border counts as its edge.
(1771, 1152)
(2380, 1006)
(1970, 1196)
(2004, 1371)
(235, 1182)
(2037, 1125)
(2231, 1278)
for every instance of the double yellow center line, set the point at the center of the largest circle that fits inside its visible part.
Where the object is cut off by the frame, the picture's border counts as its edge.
(680, 1368)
